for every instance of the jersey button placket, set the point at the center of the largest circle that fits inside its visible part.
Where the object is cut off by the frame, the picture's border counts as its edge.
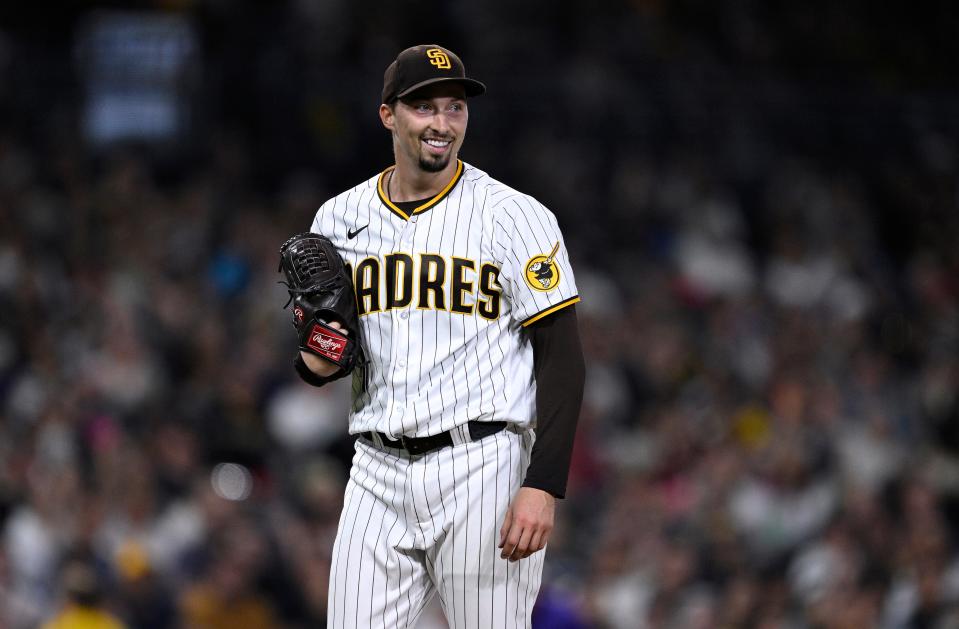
(400, 317)
(406, 236)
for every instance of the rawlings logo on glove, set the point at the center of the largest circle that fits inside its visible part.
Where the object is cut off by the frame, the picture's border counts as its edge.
(327, 345)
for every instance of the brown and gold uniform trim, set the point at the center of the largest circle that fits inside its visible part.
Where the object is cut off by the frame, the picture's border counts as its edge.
(385, 198)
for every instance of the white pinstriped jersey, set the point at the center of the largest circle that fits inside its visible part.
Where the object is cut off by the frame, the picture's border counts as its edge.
(443, 294)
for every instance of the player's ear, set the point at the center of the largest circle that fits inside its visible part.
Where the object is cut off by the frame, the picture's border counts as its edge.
(387, 116)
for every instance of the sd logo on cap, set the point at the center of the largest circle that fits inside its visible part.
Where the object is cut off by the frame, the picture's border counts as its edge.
(424, 65)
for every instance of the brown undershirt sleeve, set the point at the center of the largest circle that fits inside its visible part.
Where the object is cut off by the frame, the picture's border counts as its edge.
(560, 372)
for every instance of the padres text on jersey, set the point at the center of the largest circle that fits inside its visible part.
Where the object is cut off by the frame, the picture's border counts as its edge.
(443, 294)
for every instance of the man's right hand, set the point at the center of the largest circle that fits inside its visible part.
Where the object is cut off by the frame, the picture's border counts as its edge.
(319, 365)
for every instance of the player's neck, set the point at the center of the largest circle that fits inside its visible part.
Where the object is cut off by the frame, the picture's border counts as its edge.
(411, 183)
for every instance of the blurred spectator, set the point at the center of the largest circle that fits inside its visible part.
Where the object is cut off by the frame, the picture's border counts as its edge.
(761, 205)
(84, 607)
(142, 599)
(226, 596)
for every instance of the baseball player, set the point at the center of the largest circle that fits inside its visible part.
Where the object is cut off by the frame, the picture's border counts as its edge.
(466, 406)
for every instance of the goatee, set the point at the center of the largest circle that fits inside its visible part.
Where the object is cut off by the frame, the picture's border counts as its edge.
(433, 166)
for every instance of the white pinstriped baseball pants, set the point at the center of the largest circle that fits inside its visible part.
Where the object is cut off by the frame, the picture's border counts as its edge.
(413, 526)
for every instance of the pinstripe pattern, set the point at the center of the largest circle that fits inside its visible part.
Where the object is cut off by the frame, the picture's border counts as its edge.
(416, 526)
(412, 527)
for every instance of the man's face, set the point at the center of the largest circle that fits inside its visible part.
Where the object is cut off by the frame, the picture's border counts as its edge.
(428, 126)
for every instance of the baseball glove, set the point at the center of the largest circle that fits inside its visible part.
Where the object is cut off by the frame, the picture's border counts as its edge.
(321, 292)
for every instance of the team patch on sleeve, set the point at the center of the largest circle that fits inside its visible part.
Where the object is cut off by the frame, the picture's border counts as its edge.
(542, 272)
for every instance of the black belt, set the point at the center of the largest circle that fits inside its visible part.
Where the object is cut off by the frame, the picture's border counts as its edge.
(422, 445)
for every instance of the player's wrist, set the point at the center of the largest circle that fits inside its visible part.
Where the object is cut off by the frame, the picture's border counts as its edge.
(552, 491)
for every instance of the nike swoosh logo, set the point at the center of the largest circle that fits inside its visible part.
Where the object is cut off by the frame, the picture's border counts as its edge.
(350, 234)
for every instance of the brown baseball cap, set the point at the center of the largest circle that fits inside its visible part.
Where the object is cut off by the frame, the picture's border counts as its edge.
(424, 65)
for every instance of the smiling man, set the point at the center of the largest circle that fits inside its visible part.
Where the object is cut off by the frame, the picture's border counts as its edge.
(466, 408)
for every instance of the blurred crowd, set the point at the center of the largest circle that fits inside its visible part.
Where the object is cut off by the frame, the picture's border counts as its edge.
(770, 315)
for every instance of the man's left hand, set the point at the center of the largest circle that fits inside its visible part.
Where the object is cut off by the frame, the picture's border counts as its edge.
(528, 523)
